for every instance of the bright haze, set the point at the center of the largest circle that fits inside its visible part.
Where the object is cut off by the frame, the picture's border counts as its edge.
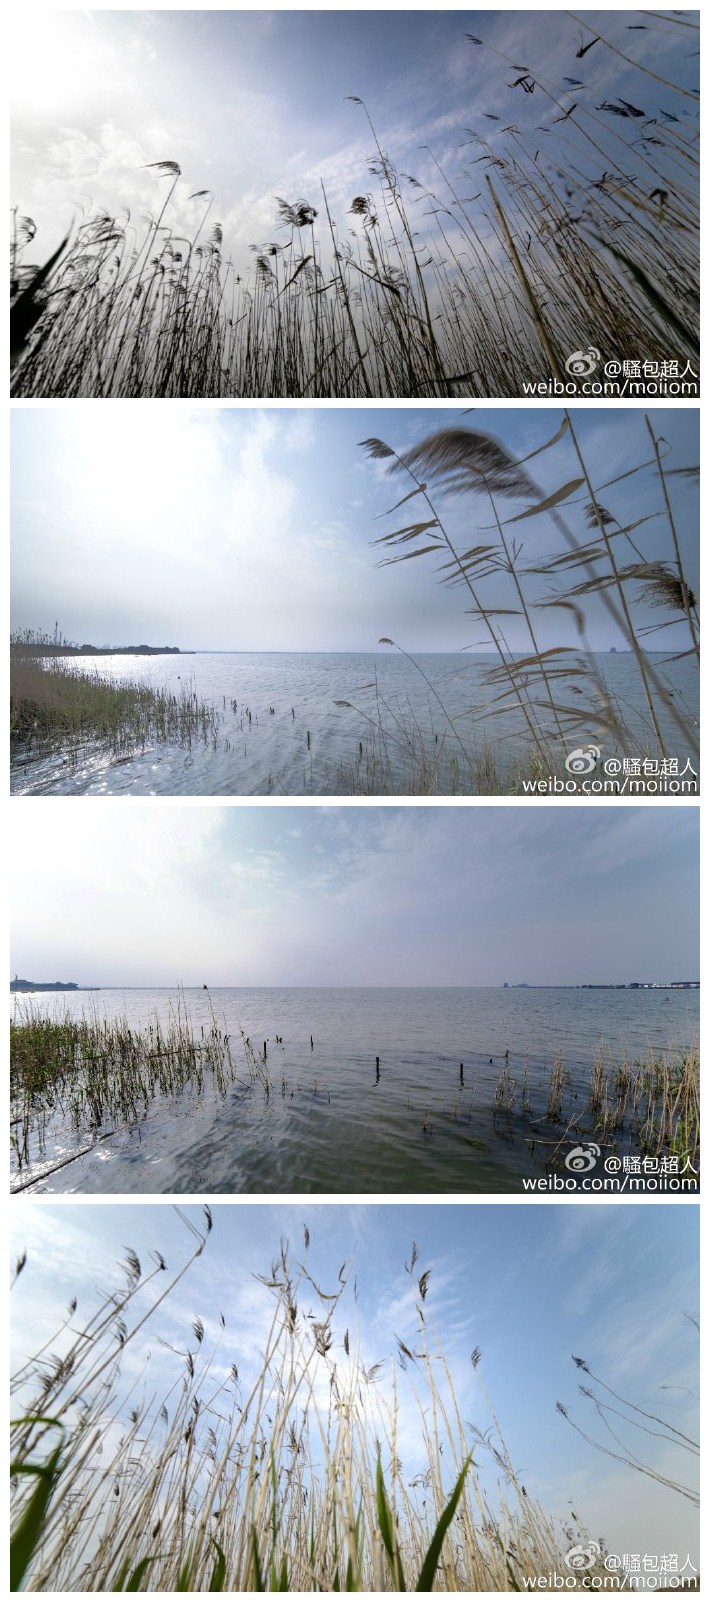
(251, 528)
(254, 104)
(317, 895)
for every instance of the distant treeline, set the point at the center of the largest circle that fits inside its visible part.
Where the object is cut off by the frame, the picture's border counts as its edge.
(52, 648)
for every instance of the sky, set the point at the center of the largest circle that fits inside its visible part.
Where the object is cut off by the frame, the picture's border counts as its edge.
(372, 895)
(252, 528)
(254, 104)
(528, 1284)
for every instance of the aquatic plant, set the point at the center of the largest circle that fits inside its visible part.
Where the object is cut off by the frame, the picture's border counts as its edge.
(629, 1417)
(93, 1071)
(56, 707)
(558, 694)
(283, 1473)
(449, 293)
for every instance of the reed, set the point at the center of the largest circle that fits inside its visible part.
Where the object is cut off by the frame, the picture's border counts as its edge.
(633, 1419)
(55, 707)
(442, 293)
(89, 1071)
(557, 695)
(285, 1472)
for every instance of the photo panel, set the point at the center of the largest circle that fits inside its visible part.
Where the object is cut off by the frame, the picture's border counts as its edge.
(354, 1025)
(348, 1000)
(364, 1397)
(355, 602)
(356, 204)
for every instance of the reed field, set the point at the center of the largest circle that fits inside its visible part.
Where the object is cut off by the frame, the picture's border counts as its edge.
(288, 1477)
(57, 707)
(478, 278)
(95, 1071)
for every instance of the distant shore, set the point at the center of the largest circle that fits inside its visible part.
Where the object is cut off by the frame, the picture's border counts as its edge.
(29, 986)
(98, 650)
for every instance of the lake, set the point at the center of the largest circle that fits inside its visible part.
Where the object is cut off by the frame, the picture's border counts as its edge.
(332, 1123)
(282, 731)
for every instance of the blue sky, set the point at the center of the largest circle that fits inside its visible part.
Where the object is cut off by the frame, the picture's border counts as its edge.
(388, 895)
(251, 528)
(253, 104)
(529, 1284)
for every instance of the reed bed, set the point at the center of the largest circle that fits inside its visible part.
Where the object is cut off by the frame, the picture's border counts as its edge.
(648, 1106)
(55, 707)
(400, 756)
(289, 1478)
(423, 289)
(658, 1096)
(90, 1071)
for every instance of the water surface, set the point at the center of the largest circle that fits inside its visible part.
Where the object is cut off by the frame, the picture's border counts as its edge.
(332, 1124)
(283, 731)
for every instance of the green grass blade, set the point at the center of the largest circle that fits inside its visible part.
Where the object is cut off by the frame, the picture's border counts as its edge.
(26, 309)
(258, 1577)
(513, 1582)
(184, 1575)
(134, 1584)
(219, 1572)
(122, 1576)
(384, 1515)
(430, 1564)
(353, 1577)
(29, 1530)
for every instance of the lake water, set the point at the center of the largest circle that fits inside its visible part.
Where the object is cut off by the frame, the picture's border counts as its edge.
(330, 1124)
(310, 745)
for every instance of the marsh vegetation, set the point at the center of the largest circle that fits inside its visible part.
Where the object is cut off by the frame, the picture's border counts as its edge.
(56, 707)
(282, 1471)
(560, 694)
(478, 278)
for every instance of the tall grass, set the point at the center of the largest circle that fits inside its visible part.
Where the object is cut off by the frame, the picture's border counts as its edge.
(648, 1105)
(558, 694)
(292, 1477)
(55, 707)
(442, 293)
(90, 1071)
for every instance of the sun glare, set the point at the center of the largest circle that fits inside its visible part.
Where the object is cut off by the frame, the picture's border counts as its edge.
(60, 58)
